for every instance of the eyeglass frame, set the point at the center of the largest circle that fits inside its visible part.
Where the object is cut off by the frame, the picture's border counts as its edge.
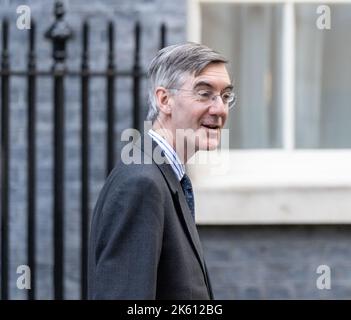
(230, 104)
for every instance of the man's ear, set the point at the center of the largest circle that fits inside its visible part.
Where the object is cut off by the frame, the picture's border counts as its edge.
(163, 98)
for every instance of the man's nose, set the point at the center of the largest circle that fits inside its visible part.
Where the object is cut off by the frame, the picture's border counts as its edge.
(217, 105)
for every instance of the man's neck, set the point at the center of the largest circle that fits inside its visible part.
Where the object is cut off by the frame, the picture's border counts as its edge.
(168, 135)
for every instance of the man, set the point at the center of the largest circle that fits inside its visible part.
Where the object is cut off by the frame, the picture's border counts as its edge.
(144, 242)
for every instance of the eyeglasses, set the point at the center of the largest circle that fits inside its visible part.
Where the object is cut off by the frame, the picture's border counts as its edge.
(206, 96)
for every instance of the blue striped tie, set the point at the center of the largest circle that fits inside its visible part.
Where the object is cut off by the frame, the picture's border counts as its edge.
(188, 192)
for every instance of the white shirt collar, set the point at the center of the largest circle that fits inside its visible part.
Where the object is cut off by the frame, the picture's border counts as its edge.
(170, 153)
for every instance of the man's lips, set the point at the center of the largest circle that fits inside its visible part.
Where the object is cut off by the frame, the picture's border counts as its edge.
(211, 125)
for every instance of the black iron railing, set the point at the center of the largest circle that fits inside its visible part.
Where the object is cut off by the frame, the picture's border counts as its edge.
(59, 34)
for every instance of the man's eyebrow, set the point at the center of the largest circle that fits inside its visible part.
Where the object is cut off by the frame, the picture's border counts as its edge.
(207, 84)
(228, 87)
(203, 83)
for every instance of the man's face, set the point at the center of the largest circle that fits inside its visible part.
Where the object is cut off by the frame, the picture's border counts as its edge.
(201, 120)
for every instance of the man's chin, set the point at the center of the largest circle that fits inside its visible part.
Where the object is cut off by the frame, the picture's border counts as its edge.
(209, 140)
(209, 145)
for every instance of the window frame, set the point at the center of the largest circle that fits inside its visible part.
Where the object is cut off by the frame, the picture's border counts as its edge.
(298, 173)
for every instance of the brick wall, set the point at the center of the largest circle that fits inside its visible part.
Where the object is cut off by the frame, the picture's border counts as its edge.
(277, 262)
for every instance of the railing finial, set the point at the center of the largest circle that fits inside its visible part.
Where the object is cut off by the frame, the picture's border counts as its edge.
(59, 33)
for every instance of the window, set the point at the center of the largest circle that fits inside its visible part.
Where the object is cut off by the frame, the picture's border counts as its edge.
(291, 128)
(293, 79)
(323, 79)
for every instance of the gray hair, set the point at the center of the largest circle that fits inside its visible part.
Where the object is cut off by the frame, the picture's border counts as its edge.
(171, 64)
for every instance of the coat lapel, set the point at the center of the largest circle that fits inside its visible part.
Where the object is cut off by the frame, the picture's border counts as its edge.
(179, 201)
(185, 216)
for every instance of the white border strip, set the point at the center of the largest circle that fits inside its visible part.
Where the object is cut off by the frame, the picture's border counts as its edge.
(257, 169)
(194, 21)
